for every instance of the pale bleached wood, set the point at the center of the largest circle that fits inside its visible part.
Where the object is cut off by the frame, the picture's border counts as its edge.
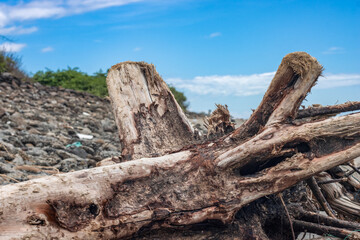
(335, 194)
(150, 121)
(272, 140)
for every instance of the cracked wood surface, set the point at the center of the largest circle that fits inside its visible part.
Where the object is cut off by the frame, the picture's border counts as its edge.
(149, 120)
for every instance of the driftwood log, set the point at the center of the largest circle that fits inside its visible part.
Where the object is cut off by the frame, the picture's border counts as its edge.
(174, 180)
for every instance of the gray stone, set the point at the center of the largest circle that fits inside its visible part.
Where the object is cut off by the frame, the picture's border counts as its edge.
(65, 154)
(18, 160)
(108, 125)
(69, 164)
(106, 154)
(111, 147)
(2, 112)
(36, 151)
(18, 119)
(78, 151)
(6, 168)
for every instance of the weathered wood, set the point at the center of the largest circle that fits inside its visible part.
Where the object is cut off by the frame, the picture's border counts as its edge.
(320, 197)
(149, 120)
(337, 198)
(325, 220)
(317, 111)
(208, 181)
(174, 190)
(297, 73)
(325, 230)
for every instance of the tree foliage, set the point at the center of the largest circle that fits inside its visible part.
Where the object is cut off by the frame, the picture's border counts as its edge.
(180, 98)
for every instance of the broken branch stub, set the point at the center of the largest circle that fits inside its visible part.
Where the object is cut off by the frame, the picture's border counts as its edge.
(296, 75)
(149, 120)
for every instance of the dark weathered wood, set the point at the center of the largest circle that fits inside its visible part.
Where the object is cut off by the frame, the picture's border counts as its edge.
(325, 220)
(320, 197)
(297, 73)
(325, 230)
(317, 111)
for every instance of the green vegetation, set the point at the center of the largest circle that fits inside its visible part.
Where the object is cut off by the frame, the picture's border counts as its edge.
(11, 63)
(180, 98)
(73, 78)
(95, 84)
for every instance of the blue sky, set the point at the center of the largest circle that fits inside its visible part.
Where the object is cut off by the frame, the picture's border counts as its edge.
(215, 51)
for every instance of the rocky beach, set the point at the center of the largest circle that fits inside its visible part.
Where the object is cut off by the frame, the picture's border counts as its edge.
(46, 130)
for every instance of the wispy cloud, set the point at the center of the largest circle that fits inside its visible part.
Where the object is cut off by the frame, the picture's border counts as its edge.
(137, 49)
(17, 30)
(239, 85)
(47, 49)
(12, 14)
(334, 50)
(11, 47)
(37, 9)
(338, 80)
(214, 34)
(246, 85)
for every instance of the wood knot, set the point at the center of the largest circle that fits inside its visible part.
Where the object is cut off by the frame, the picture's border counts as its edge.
(34, 219)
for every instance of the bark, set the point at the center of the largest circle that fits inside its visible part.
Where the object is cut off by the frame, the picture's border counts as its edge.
(316, 111)
(199, 183)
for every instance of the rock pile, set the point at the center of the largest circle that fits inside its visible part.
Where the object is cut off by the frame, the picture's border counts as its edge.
(46, 130)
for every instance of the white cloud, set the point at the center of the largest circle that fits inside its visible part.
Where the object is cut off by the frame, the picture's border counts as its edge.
(334, 50)
(47, 49)
(3, 18)
(17, 30)
(11, 47)
(246, 85)
(338, 80)
(79, 6)
(215, 34)
(239, 85)
(37, 9)
(137, 49)
(12, 14)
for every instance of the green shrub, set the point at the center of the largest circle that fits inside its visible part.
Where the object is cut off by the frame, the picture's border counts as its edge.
(73, 78)
(11, 63)
(95, 84)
